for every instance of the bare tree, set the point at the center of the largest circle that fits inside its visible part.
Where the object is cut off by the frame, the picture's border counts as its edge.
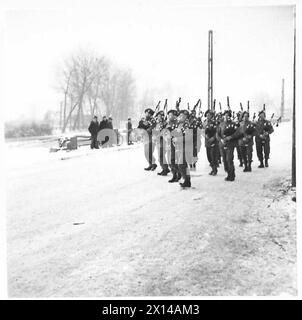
(88, 81)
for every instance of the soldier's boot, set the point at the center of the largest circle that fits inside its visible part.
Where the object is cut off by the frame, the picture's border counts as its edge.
(148, 168)
(227, 177)
(178, 175)
(186, 183)
(174, 178)
(246, 169)
(153, 167)
(266, 163)
(165, 172)
(214, 171)
(250, 166)
(241, 163)
(261, 164)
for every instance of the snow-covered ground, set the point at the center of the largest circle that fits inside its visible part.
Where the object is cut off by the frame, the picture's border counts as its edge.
(94, 223)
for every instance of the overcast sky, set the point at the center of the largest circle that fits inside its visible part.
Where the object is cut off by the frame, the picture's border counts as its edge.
(164, 42)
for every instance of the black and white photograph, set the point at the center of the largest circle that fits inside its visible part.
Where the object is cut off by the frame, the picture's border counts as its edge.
(149, 149)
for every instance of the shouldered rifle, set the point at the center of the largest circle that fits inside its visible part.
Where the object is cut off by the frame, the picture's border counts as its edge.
(248, 106)
(254, 116)
(196, 105)
(241, 108)
(228, 103)
(166, 109)
(157, 107)
(220, 106)
(177, 106)
(214, 103)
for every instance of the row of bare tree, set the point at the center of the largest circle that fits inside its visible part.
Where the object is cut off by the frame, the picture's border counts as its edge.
(93, 85)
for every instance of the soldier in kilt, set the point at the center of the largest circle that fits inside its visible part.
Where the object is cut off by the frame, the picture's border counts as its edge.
(195, 124)
(182, 139)
(228, 143)
(160, 143)
(264, 129)
(148, 124)
(170, 147)
(245, 134)
(211, 143)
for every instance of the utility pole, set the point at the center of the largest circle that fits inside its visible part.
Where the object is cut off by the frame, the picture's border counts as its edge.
(282, 101)
(210, 71)
(294, 110)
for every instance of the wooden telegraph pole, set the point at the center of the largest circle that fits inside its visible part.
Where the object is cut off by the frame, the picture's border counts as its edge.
(294, 110)
(210, 71)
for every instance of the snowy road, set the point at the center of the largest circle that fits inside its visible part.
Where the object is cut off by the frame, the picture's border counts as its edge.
(96, 224)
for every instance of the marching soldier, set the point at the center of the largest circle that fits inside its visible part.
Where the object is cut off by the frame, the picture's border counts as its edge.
(238, 148)
(159, 141)
(211, 143)
(245, 133)
(148, 125)
(183, 144)
(264, 129)
(195, 124)
(228, 142)
(170, 147)
(209, 114)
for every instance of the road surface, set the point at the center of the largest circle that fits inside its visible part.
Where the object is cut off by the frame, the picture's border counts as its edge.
(93, 223)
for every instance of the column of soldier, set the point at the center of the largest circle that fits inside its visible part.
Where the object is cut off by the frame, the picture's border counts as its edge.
(176, 133)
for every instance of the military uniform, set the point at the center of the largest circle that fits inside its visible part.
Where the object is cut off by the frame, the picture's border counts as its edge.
(160, 143)
(148, 125)
(238, 147)
(228, 143)
(195, 125)
(183, 138)
(170, 147)
(211, 143)
(245, 133)
(263, 130)
(222, 150)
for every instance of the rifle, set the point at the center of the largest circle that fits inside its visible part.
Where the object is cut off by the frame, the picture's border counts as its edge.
(199, 108)
(157, 107)
(220, 106)
(188, 106)
(264, 107)
(228, 103)
(254, 116)
(196, 105)
(166, 109)
(177, 106)
(241, 108)
(278, 120)
(214, 103)
(248, 106)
